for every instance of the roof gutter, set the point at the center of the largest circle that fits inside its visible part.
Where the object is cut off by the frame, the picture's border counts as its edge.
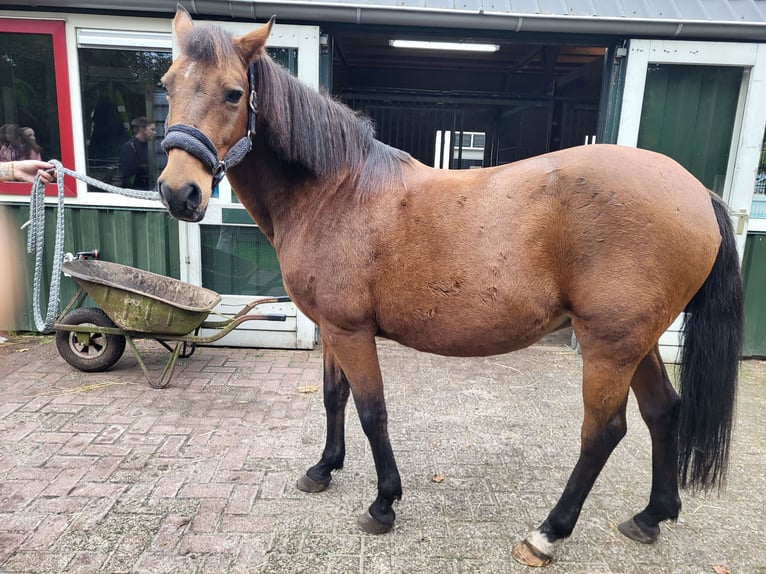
(317, 12)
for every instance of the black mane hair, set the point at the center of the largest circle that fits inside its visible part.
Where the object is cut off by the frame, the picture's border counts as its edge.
(209, 44)
(321, 134)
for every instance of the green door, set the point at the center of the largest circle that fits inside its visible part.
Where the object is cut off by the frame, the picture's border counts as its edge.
(688, 113)
(754, 274)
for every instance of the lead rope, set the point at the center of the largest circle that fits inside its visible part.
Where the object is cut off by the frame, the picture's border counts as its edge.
(36, 236)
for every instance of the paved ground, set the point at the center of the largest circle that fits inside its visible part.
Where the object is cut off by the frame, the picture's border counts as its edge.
(101, 473)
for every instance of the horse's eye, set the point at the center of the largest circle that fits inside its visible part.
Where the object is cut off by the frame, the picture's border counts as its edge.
(233, 96)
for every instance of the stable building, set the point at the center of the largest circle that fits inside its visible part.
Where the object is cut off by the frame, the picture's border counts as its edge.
(458, 84)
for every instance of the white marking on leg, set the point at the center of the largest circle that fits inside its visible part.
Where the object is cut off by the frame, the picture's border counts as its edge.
(540, 541)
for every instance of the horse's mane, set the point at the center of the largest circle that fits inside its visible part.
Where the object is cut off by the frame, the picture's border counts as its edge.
(304, 127)
(322, 134)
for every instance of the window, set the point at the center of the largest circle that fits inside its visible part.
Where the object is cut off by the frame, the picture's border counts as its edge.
(759, 199)
(122, 99)
(470, 152)
(34, 92)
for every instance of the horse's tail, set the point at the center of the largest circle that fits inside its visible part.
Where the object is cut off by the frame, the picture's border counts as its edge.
(709, 361)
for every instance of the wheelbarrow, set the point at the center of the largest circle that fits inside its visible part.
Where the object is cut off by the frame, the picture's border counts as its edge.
(137, 304)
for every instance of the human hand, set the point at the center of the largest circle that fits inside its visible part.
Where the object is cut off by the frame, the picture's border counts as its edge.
(26, 170)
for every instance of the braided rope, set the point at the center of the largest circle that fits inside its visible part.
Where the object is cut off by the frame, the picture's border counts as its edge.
(36, 236)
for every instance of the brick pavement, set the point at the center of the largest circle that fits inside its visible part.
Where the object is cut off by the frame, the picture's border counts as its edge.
(101, 473)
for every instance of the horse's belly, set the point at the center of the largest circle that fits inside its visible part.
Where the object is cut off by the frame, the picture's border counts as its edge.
(471, 332)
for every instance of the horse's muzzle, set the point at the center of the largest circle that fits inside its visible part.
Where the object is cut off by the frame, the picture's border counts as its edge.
(183, 203)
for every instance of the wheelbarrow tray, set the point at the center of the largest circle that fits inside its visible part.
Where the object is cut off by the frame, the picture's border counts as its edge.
(143, 302)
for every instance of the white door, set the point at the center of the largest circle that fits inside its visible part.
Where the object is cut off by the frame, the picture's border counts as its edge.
(226, 252)
(702, 104)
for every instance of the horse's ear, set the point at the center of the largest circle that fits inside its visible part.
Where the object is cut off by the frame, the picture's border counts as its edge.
(182, 23)
(251, 45)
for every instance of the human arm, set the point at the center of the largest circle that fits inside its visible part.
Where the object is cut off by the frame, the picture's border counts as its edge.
(26, 170)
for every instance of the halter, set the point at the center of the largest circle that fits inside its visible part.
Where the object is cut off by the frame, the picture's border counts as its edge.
(193, 141)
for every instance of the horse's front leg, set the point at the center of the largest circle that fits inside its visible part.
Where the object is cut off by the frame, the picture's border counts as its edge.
(358, 357)
(336, 391)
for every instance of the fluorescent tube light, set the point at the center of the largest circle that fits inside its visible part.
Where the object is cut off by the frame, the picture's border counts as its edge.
(460, 46)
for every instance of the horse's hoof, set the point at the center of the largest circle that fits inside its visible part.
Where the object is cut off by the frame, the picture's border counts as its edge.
(632, 530)
(528, 555)
(372, 526)
(308, 484)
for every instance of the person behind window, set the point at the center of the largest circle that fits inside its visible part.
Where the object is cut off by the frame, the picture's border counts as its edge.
(19, 144)
(134, 155)
(3, 138)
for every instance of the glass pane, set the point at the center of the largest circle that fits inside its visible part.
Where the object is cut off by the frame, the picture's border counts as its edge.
(688, 113)
(28, 103)
(122, 100)
(759, 199)
(285, 57)
(239, 261)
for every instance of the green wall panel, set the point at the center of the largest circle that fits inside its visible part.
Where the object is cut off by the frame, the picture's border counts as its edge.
(138, 238)
(754, 273)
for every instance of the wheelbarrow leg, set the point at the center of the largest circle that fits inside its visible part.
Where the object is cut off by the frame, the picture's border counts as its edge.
(167, 372)
(170, 366)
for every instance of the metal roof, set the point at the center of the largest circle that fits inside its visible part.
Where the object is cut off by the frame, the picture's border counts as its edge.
(712, 19)
(753, 11)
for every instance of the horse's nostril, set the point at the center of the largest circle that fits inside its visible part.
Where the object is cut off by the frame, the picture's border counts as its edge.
(161, 191)
(191, 196)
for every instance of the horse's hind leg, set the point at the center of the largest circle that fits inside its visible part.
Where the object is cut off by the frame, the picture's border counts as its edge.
(605, 392)
(336, 391)
(659, 405)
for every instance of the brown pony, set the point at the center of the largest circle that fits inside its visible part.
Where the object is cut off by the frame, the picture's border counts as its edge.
(613, 240)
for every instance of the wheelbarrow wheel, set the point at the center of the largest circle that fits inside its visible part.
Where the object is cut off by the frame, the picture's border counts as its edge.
(91, 351)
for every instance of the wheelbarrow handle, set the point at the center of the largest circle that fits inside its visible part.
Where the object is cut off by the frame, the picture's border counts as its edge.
(267, 300)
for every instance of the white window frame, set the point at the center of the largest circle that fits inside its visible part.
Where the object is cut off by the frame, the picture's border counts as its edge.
(102, 31)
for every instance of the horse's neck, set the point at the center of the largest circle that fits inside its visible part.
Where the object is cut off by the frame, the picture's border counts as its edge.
(276, 197)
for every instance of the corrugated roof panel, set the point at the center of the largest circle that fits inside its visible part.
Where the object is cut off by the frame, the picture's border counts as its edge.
(474, 5)
(748, 10)
(662, 9)
(439, 4)
(724, 10)
(525, 7)
(717, 10)
(581, 8)
(608, 8)
(555, 7)
(691, 9)
(497, 6)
